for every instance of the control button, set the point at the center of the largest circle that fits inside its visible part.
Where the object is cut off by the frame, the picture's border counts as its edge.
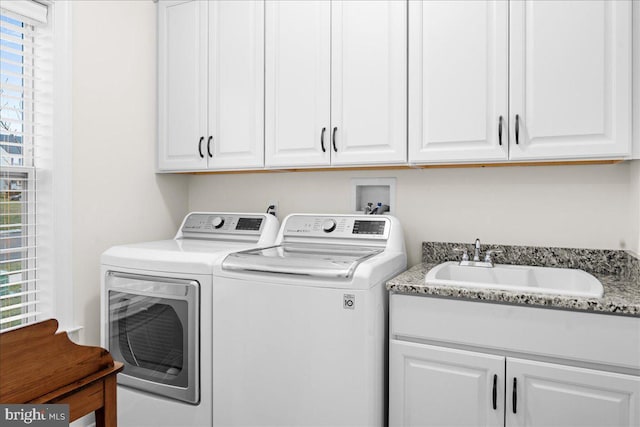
(217, 222)
(328, 226)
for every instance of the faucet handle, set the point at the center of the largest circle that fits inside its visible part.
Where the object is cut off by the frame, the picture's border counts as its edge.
(489, 252)
(465, 253)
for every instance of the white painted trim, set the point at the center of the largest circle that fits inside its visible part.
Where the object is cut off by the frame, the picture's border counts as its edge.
(33, 11)
(61, 174)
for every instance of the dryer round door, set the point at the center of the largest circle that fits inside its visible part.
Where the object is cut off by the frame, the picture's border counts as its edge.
(153, 329)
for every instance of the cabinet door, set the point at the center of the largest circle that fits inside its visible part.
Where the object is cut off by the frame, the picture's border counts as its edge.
(236, 82)
(555, 395)
(369, 81)
(570, 79)
(437, 386)
(458, 79)
(182, 84)
(298, 83)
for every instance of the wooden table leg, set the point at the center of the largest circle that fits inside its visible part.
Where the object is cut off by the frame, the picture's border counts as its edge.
(107, 416)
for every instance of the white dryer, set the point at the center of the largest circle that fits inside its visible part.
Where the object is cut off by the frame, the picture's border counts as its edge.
(156, 316)
(299, 328)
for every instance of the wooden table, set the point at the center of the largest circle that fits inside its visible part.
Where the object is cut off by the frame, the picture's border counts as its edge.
(38, 365)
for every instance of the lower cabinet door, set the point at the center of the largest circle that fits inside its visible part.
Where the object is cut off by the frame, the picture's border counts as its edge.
(545, 394)
(437, 386)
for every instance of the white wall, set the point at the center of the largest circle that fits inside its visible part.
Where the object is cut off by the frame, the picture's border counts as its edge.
(117, 197)
(572, 206)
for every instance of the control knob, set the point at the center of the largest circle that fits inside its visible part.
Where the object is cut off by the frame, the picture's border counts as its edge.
(328, 226)
(217, 222)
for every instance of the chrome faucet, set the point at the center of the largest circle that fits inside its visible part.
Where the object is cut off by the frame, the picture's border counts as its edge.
(487, 255)
(476, 254)
(488, 262)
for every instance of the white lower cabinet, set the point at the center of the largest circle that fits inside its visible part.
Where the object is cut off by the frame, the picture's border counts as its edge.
(439, 375)
(438, 386)
(548, 394)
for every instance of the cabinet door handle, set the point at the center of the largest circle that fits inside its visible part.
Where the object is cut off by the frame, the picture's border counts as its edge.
(322, 140)
(209, 146)
(200, 147)
(517, 129)
(495, 392)
(333, 139)
(514, 395)
(500, 131)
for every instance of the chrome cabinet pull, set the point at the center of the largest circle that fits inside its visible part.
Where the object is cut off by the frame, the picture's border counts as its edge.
(322, 140)
(200, 147)
(333, 139)
(209, 146)
(517, 129)
(500, 131)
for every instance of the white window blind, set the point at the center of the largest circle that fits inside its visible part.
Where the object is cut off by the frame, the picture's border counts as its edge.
(26, 75)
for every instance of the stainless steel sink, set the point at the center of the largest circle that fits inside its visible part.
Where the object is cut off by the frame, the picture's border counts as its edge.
(517, 278)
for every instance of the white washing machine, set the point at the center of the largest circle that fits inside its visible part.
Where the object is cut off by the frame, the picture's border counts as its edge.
(299, 328)
(156, 316)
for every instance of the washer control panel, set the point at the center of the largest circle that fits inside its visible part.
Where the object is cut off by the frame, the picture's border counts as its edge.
(369, 227)
(212, 224)
(340, 227)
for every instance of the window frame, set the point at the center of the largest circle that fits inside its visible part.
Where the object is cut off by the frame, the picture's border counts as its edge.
(53, 170)
(61, 168)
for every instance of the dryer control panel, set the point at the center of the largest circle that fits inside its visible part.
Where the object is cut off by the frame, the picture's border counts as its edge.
(338, 226)
(215, 224)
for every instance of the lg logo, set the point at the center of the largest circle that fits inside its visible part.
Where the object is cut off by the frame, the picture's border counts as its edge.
(349, 302)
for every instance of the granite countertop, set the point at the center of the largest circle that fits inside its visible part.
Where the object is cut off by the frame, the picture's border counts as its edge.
(621, 287)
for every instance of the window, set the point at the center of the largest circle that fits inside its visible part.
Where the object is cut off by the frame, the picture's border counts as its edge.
(26, 136)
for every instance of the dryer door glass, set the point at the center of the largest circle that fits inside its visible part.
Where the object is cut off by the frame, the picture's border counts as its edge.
(153, 330)
(150, 336)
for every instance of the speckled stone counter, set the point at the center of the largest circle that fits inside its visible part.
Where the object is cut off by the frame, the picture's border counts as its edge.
(618, 271)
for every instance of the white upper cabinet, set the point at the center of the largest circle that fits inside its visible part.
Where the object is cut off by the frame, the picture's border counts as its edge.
(570, 79)
(369, 82)
(182, 85)
(519, 80)
(211, 85)
(458, 81)
(236, 84)
(336, 83)
(298, 83)
(319, 83)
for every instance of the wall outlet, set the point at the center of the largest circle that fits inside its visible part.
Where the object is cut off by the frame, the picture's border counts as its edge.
(272, 208)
